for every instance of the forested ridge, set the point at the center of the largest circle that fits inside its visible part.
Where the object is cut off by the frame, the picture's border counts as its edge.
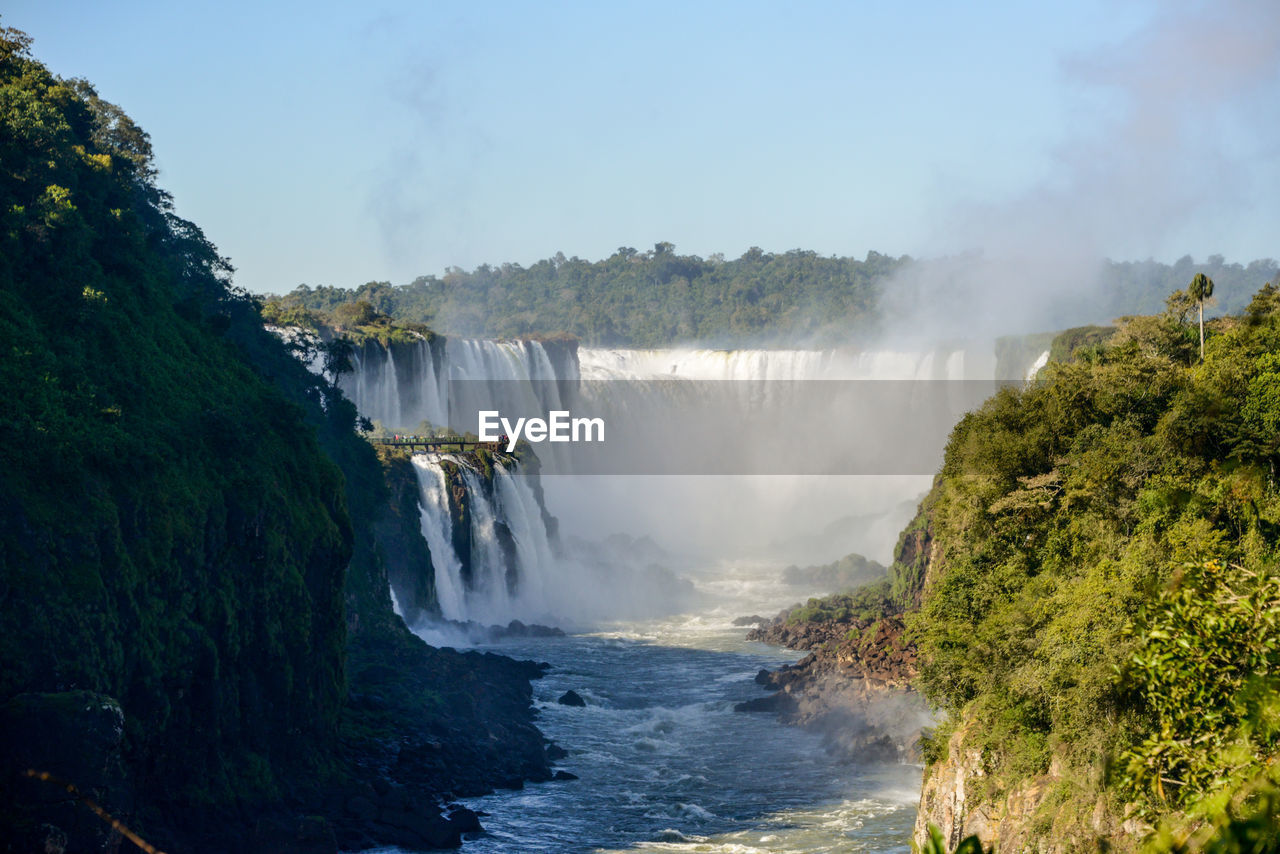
(659, 298)
(195, 625)
(1096, 604)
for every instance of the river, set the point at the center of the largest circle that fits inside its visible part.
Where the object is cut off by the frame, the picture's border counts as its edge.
(664, 762)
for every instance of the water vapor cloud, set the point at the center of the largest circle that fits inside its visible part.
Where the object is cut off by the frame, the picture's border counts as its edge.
(1172, 143)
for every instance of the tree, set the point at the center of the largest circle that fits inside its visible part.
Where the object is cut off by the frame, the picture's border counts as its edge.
(339, 358)
(1200, 289)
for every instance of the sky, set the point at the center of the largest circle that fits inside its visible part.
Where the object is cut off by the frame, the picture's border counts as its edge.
(326, 144)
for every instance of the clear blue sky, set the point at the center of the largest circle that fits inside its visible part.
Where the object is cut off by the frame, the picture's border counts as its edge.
(320, 143)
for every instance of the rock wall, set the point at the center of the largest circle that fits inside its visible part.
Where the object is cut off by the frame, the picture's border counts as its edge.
(1051, 813)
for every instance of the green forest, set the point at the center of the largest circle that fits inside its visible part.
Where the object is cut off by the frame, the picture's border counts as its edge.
(659, 298)
(194, 540)
(1101, 593)
(194, 537)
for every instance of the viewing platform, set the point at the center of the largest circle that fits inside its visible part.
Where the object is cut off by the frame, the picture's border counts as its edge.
(428, 444)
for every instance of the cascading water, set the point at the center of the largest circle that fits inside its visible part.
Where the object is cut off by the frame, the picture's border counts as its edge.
(666, 763)
(405, 384)
(756, 365)
(1037, 365)
(508, 568)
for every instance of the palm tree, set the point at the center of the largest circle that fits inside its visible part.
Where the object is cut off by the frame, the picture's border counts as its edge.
(1200, 289)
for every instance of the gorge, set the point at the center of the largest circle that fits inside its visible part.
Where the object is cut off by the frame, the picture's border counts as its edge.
(1019, 592)
(653, 647)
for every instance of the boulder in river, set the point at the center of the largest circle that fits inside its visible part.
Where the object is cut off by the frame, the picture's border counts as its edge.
(571, 698)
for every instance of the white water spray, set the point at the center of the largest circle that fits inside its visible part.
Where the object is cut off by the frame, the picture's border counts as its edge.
(513, 570)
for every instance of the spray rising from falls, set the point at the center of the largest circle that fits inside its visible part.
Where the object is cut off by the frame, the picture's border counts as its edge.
(494, 547)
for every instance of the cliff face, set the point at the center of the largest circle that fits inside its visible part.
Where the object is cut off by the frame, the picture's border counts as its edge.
(194, 617)
(960, 797)
(399, 529)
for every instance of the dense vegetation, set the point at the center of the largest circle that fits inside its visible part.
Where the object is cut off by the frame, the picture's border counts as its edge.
(658, 298)
(1102, 586)
(172, 534)
(193, 536)
(643, 299)
(1093, 579)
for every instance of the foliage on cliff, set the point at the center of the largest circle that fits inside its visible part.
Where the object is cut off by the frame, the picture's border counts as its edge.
(357, 322)
(1102, 582)
(172, 534)
(189, 525)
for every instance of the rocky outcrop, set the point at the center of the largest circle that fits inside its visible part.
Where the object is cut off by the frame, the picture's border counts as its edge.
(571, 698)
(1044, 813)
(398, 532)
(853, 686)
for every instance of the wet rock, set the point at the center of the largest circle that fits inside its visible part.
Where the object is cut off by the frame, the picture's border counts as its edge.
(571, 698)
(753, 620)
(464, 820)
(362, 808)
(555, 752)
(853, 686)
(564, 775)
(416, 830)
(294, 835)
(778, 703)
(517, 629)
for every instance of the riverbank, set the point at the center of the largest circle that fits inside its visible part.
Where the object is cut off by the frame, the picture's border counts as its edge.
(853, 687)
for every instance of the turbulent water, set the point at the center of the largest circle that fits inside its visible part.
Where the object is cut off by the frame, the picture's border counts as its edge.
(665, 764)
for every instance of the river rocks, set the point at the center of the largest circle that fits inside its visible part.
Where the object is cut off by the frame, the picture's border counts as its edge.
(480, 633)
(446, 724)
(780, 703)
(555, 752)
(853, 686)
(564, 775)
(517, 629)
(465, 820)
(571, 698)
(753, 620)
(874, 649)
(294, 835)
(406, 816)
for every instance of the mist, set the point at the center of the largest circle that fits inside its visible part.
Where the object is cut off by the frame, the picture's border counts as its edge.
(1176, 122)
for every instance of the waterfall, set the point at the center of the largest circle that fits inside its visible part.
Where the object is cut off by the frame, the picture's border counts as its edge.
(692, 364)
(437, 529)
(398, 385)
(1037, 365)
(505, 569)
(494, 554)
(405, 384)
